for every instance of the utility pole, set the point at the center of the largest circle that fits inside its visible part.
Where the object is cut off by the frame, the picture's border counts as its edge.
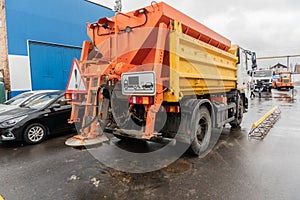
(287, 58)
(118, 6)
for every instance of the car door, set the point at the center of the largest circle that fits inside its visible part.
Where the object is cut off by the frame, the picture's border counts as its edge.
(57, 116)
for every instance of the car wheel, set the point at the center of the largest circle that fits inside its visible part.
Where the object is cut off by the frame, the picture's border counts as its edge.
(34, 133)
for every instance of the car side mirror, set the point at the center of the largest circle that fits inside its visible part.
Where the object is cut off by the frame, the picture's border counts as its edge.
(63, 102)
(55, 105)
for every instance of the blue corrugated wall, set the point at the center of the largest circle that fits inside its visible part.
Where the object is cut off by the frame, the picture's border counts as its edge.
(61, 22)
(56, 21)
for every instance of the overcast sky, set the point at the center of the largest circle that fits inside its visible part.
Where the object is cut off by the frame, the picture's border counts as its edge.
(269, 27)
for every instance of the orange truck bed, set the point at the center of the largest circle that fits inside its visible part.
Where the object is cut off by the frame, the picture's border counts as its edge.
(156, 14)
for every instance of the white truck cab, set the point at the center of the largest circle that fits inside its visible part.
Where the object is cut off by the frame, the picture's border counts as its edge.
(265, 76)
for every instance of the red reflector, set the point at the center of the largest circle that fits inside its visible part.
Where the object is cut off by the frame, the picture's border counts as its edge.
(141, 100)
(172, 109)
(151, 101)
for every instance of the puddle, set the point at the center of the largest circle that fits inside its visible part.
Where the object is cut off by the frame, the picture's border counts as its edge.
(178, 167)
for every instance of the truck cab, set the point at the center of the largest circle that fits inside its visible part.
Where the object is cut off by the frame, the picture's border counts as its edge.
(284, 81)
(265, 77)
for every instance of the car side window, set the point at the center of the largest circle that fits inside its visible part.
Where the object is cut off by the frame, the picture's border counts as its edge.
(42, 100)
(17, 99)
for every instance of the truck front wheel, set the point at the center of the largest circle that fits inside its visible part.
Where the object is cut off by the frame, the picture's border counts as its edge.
(201, 133)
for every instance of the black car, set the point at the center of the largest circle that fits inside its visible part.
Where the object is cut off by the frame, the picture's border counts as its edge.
(33, 121)
(22, 99)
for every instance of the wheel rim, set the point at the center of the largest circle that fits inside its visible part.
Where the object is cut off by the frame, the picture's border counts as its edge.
(36, 133)
(202, 130)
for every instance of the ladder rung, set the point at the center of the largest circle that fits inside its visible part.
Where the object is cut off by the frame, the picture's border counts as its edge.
(83, 104)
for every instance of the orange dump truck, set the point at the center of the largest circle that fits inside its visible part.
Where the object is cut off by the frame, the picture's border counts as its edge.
(155, 73)
(284, 81)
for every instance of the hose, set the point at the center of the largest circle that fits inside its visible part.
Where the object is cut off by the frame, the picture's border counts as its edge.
(137, 26)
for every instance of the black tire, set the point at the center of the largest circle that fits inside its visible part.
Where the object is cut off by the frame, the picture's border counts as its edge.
(201, 134)
(35, 133)
(240, 113)
(121, 137)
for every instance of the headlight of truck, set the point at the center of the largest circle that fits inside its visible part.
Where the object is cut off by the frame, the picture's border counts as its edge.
(11, 122)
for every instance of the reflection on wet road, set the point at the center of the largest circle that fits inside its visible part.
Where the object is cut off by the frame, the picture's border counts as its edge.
(237, 168)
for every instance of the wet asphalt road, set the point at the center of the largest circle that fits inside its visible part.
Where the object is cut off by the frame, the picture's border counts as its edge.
(237, 168)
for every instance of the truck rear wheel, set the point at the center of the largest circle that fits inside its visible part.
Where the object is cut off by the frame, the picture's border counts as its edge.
(201, 133)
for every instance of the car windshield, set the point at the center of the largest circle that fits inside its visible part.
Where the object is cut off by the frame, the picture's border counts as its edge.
(41, 101)
(18, 99)
(262, 73)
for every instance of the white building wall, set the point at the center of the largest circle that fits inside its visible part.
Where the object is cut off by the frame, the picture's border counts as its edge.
(20, 75)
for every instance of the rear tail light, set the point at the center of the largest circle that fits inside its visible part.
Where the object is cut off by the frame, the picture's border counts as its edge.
(69, 97)
(141, 100)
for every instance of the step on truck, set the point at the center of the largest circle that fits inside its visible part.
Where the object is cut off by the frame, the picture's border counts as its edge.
(156, 74)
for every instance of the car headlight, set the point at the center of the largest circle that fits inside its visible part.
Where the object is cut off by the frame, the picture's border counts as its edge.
(12, 122)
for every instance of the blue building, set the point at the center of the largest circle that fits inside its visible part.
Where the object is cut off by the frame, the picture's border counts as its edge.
(43, 37)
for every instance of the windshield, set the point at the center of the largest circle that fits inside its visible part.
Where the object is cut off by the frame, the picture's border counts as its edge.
(285, 75)
(262, 73)
(18, 99)
(275, 77)
(41, 101)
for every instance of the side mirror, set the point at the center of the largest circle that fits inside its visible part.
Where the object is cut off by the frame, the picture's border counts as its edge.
(254, 64)
(63, 102)
(55, 105)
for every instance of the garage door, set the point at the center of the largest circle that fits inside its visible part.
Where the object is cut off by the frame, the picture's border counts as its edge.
(50, 65)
